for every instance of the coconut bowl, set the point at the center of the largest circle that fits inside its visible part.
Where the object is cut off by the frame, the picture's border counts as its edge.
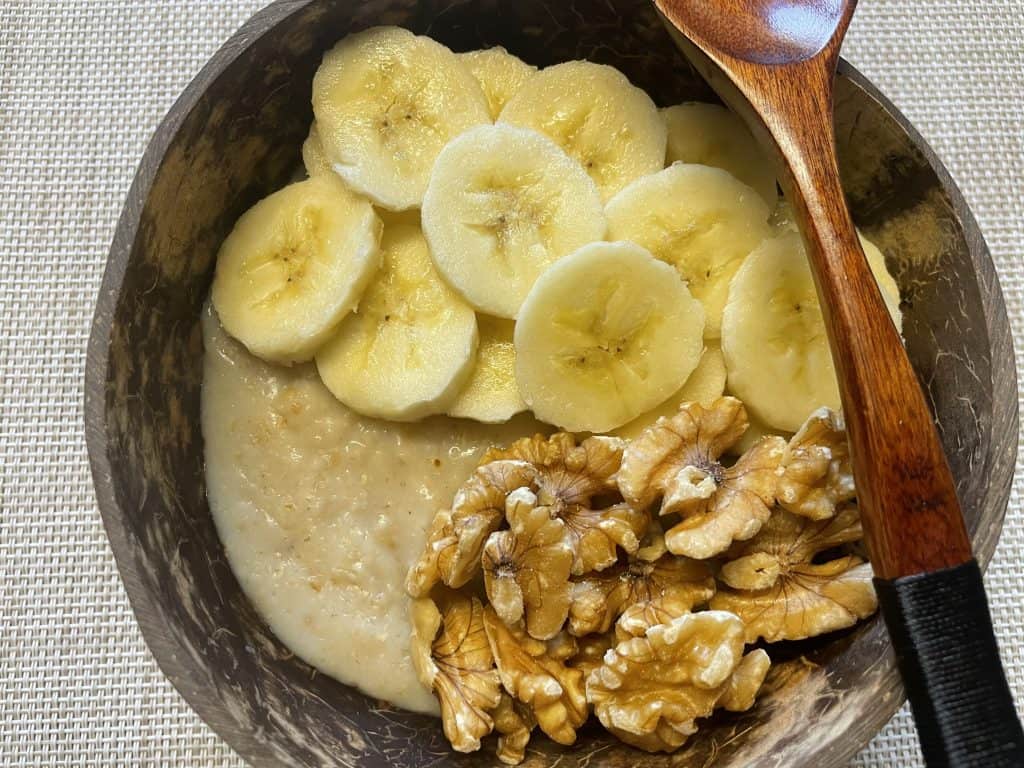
(234, 136)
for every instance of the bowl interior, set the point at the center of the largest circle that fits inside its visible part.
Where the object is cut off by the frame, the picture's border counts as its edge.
(232, 138)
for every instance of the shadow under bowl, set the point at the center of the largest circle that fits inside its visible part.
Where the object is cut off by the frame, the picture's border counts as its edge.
(233, 137)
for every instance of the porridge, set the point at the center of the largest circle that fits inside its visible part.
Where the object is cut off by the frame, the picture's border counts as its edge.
(321, 511)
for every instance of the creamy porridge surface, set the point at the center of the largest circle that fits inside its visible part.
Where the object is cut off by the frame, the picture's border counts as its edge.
(321, 511)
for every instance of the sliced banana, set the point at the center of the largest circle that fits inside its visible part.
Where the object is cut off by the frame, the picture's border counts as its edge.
(888, 284)
(783, 218)
(386, 102)
(410, 348)
(294, 265)
(596, 115)
(705, 385)
(313, 154)
(773, 334)
(709, 134)
(503, 204)
(606, 334)
(499, 73)
(491, 395)
(701, 220)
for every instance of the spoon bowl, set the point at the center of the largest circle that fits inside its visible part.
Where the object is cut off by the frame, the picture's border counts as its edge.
(769, 32)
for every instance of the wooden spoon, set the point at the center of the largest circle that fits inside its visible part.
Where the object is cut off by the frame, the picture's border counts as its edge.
(774, 62)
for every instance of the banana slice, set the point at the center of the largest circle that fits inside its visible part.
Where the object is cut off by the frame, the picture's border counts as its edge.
(705, 385)
(709, 134)
(773, 334)
(888, 284)
(606, 334)
(783, 218)
(410, 348)
(386, 102)
(596, 115)
(492, 395)
(499, 73)
(313, 154)
(294, 265)
(503, 204)
(699, 219)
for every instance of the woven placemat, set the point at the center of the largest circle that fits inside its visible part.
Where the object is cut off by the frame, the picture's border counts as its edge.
(82, 86)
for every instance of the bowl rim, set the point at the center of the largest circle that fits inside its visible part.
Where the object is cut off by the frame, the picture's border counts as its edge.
(155, 630)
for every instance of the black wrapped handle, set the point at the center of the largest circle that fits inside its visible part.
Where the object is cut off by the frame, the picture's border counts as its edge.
(942, 632)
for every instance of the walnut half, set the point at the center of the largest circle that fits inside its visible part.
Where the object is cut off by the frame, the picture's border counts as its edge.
(773, 584)
(650, 690)
(453, 658)
(571, 479)
(456, 537)
(526, 568)
(532, 675)
(678, 583)
(816, 473)
(677, 461)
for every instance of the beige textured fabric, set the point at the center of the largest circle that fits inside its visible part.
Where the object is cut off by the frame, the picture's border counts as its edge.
(82, 85)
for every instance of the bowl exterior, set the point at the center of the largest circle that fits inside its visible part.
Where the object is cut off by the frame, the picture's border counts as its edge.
(233, 137)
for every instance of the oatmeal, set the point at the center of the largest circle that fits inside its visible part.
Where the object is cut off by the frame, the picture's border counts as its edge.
(322, 511)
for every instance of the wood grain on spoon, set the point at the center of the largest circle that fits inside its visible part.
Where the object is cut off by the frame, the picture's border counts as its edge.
(778, 58)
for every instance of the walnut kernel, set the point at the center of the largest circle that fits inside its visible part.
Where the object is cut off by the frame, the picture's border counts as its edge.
(773, 584)
(526, 568)
(570, 478)
(599, 599)
(677, 461)
(453, 658)
(456, 538)
(650, 690)
(553, 691)
(816, 472)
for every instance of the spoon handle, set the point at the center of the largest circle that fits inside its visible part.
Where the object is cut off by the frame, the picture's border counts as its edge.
(929, 586)
(942, 633)
(911, 514)
(909, 507)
